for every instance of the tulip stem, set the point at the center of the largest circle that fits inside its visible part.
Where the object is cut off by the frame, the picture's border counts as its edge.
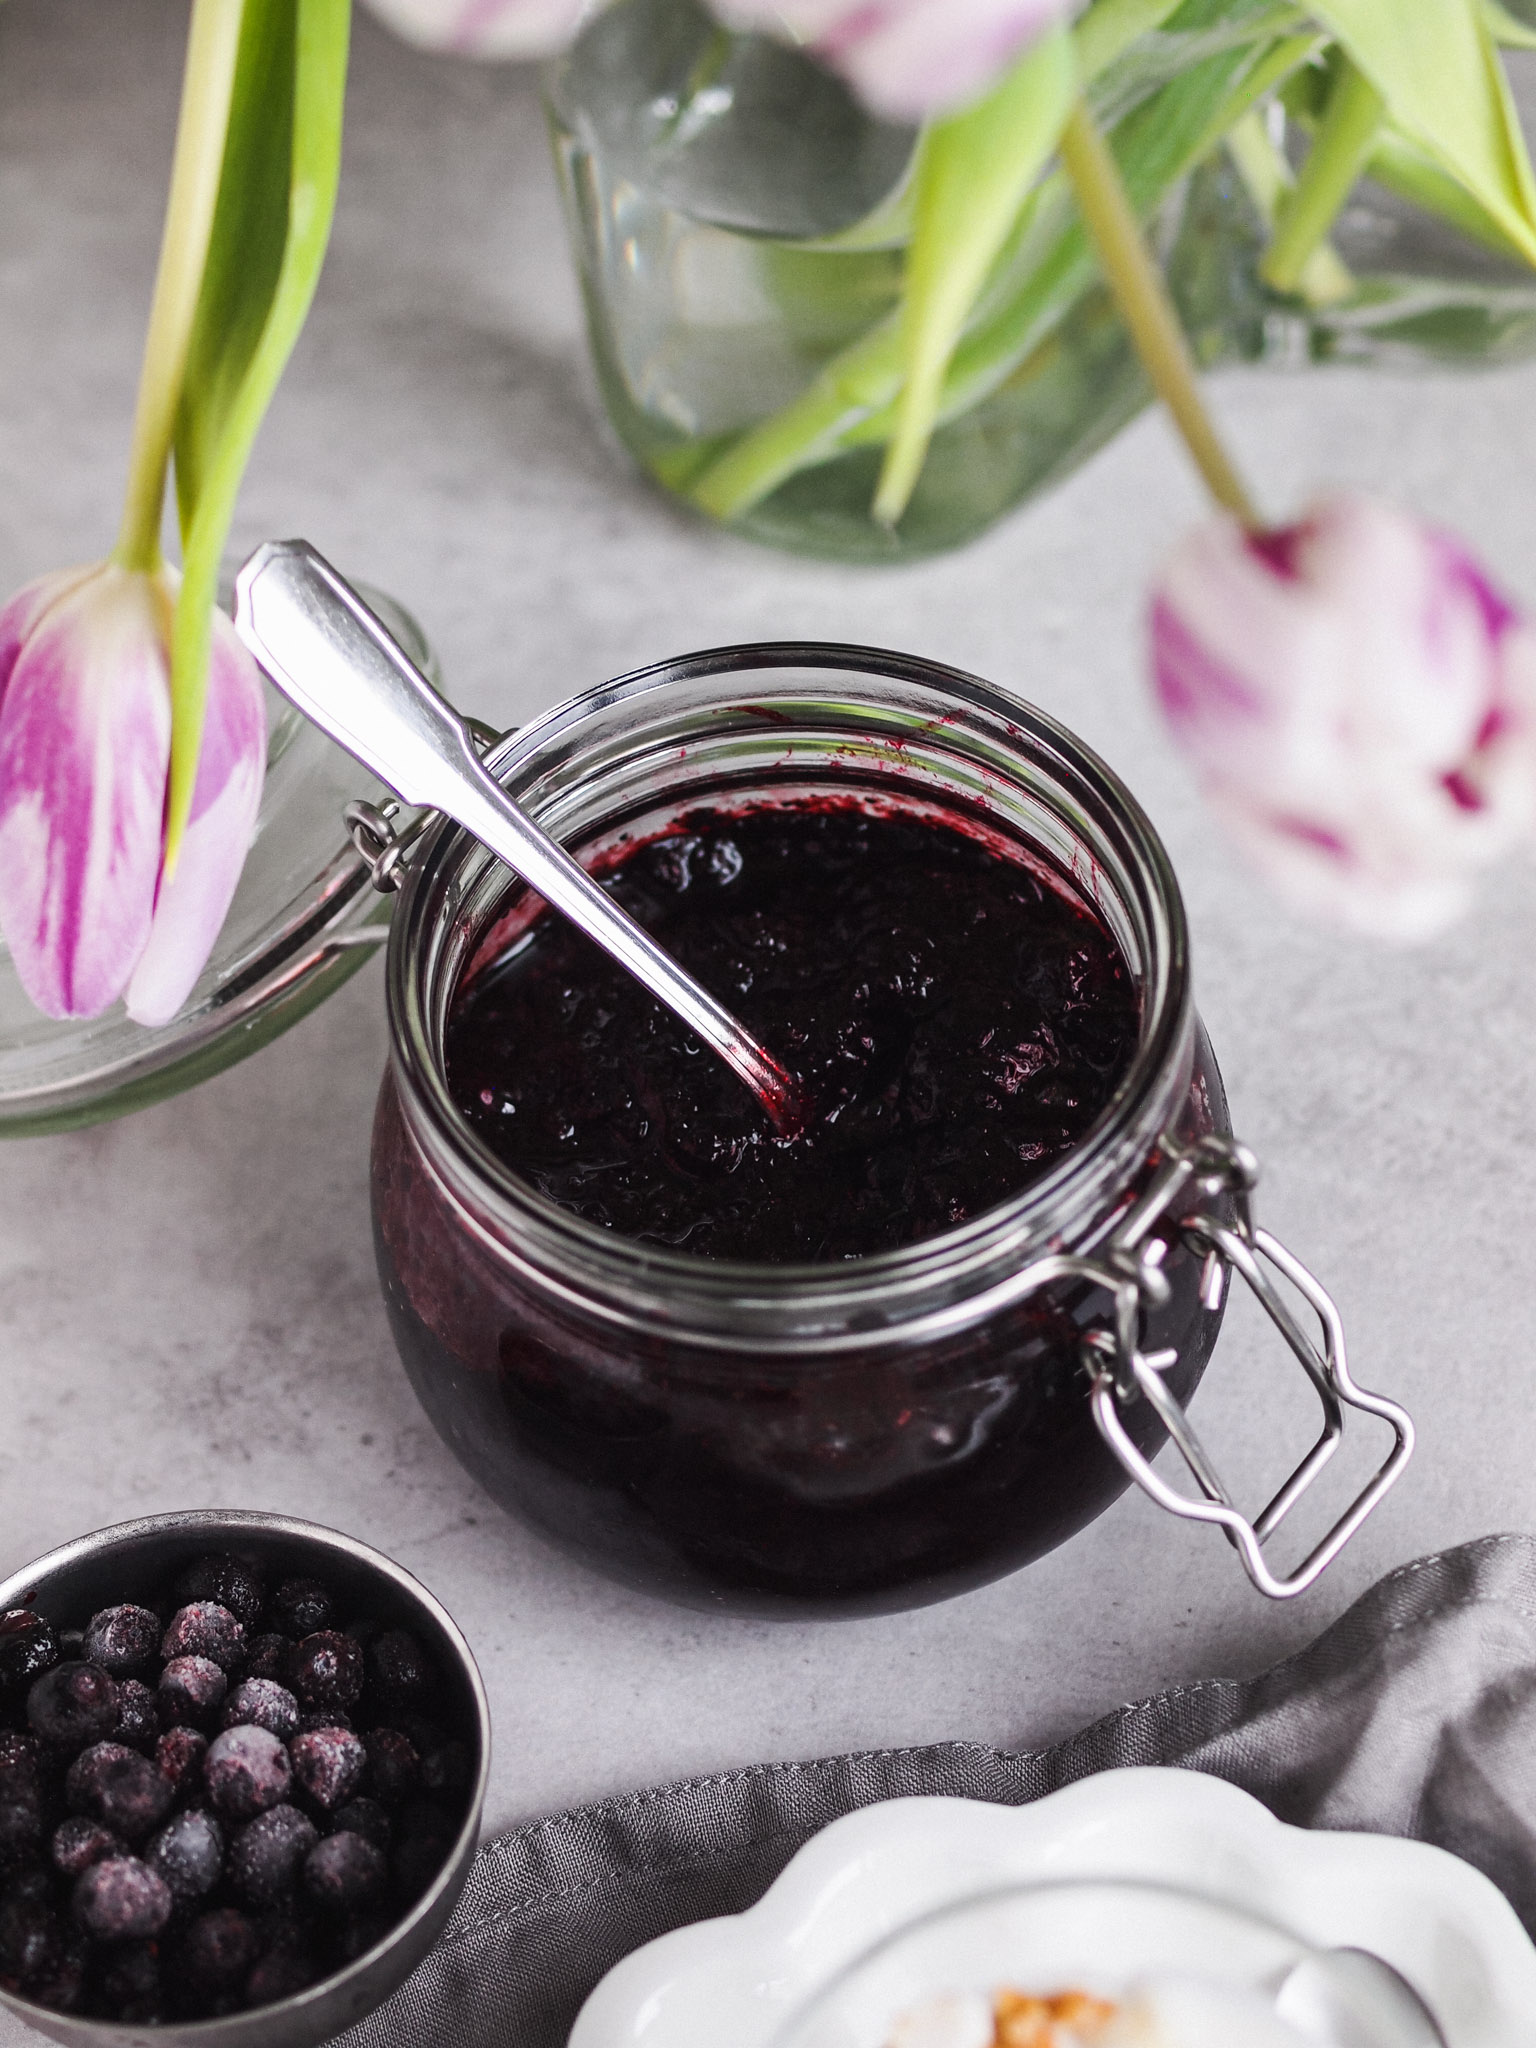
(213, 44)
(1340, 151)
(1142, 298)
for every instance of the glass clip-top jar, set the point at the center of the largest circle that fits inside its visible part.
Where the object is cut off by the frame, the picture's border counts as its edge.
(888, 1430)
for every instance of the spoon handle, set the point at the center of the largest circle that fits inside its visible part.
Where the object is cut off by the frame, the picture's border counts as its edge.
(330, 656)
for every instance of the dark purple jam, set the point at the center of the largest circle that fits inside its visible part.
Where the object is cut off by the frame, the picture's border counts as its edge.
(960, 1020)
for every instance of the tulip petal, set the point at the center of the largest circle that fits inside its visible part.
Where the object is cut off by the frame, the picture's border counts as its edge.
(192, 904)
(1360, 704)
(84, 743)
(484, 28)
(907, 58)
(25, 610)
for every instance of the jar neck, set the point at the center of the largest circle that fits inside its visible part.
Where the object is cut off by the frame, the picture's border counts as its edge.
(776, 720)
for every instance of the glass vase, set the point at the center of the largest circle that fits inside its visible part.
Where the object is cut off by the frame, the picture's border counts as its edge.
(739, 223)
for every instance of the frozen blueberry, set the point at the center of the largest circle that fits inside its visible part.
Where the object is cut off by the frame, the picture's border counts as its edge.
(86, 1773)
(31, 1938)
(130, 1984)
(28, 1647)
(360, 1933)
(81, 1841)
(120, 1788)
(301, 1606)
(188, 1853)
(394, 1768)
(31, 1882)
(267, 1857)
(229, 1581)
(288, 1927)
(138, 1723)
(262, 1703)
(21, 1793)
(400, 1668)
(329, 1764)
(217, 1951)
(424, 1834)
(122, 1640)
(204, 1629)
(281, 1973)
(271, 1656)
(447, 1768)
(21, 1826)
(122, 1899)
(323, 1717)
(63, 1984)
(21, 1761)
(191, 1691)
(179, 1757)
(246, 1771)
(328, 1670)
(363, 1817)
(344, 1873)
(73, 1704)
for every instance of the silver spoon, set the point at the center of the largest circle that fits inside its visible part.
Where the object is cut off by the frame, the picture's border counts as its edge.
(1350, 1998)
(329, 655)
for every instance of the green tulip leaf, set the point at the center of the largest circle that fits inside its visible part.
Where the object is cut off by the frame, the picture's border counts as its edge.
(245, 249)
(1505, 28)
(1043, 270)
(1435, 65)
(277, 194)
(973, 175)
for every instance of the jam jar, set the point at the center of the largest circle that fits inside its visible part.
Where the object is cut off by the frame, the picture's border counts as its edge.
(884, 1431)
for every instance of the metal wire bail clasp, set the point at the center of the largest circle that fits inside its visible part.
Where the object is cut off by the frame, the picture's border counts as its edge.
(386, 847)
(1122, 1373)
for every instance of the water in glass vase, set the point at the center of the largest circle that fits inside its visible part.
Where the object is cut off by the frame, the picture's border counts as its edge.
(740, 224)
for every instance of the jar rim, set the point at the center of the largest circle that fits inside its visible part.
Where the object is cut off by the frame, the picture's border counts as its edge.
(1072, 1189)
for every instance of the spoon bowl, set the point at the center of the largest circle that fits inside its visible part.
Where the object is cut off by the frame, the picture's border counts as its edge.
(1350, 1998)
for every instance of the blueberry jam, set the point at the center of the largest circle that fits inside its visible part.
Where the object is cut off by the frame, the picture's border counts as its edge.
(960, 1020)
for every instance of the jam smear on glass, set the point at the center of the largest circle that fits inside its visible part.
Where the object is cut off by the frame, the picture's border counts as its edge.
(960, 1020)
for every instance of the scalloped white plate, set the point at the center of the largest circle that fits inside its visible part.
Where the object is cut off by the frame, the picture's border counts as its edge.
(736, 1980)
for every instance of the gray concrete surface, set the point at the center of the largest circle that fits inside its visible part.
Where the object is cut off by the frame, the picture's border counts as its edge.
(188, 1311)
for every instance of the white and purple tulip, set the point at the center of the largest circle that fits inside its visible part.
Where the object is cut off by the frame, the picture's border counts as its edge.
(906, 58)
(1360, 704)
(85, 727)
(484, 28)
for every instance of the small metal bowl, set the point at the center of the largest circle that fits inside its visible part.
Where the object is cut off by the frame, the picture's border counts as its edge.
(134, 1561)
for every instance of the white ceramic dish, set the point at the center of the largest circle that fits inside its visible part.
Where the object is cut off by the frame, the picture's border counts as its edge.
(737, 1980)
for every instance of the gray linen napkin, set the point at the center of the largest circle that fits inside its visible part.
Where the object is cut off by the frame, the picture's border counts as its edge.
(1415, 1714)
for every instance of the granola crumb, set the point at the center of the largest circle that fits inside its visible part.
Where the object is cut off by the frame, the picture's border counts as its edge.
(1064, 2019)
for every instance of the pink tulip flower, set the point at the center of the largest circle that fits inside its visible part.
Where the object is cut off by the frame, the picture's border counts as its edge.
(1360, 704)
(484, 28)
(85, 728)
(906, 58)
(191, 904)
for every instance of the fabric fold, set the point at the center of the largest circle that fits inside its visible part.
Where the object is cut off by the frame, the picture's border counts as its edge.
(1414, 1714)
